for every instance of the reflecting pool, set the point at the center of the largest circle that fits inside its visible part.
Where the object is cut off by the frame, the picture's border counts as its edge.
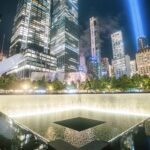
(64, 126)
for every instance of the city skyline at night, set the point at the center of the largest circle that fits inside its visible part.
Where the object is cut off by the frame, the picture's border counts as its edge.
(47, 34)
(75, 75)
(116, 15)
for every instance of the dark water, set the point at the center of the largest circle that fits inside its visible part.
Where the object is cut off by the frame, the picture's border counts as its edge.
(113, 125)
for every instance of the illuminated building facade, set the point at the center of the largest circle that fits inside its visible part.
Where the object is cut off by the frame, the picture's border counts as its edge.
(95, 46)
(111, 71)
(117, 45)
(121, 62)
(121, 66)
(105, 66)
(82, 67)
(65, 35)
(143, 62)
(10, 63)
(31, 37)
(133, 68)
(1, 56)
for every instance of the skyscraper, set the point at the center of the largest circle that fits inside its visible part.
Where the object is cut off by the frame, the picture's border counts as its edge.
(121, 62)
(105, 67)
(142, 43)
(95, 46)
(117, 45)
(65, 35)
(31, 37)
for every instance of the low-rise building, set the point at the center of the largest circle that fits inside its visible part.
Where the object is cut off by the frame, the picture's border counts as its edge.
(143, 61)
(121, 66)
(133, 69)
(111, 71)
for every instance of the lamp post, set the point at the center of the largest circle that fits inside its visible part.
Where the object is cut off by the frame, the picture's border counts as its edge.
(25, 87)
(109, 88)
(141, 86)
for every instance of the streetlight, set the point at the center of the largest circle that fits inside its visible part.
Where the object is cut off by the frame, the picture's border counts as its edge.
(25, 86)
(109, 87)
(141, 86)
(50, 88)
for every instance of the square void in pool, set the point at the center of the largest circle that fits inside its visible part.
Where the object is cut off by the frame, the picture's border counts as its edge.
(79, 124)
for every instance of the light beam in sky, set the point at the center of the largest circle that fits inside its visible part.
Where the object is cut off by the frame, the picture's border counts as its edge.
(136, 17)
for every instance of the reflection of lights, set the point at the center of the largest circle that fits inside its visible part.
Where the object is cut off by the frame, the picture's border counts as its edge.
(35, 88)
(42, 112)
(72, 91)
(40, 91)
(79, 139)
(77, 107)
(109, 87)
(93, 59)
(113, 111)
(141, 85)
(69, 83)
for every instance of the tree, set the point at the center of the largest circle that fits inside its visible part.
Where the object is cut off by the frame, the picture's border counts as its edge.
(57, 85)
(146, 82)
(8, 82)
(41, 84)
(137, 81)
(123, 83)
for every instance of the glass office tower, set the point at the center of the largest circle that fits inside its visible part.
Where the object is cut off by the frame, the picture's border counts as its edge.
(31, 37)
(65, 35)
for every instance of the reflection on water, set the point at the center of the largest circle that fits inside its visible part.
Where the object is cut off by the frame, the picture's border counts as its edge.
(113, 126)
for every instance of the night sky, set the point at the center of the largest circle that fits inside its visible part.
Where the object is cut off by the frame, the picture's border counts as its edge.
(113, 15)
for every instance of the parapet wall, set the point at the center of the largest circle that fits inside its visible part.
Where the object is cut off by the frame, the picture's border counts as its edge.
(127, 103)
(138, 103)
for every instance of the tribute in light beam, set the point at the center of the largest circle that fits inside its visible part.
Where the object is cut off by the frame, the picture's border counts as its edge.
(134, 6)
